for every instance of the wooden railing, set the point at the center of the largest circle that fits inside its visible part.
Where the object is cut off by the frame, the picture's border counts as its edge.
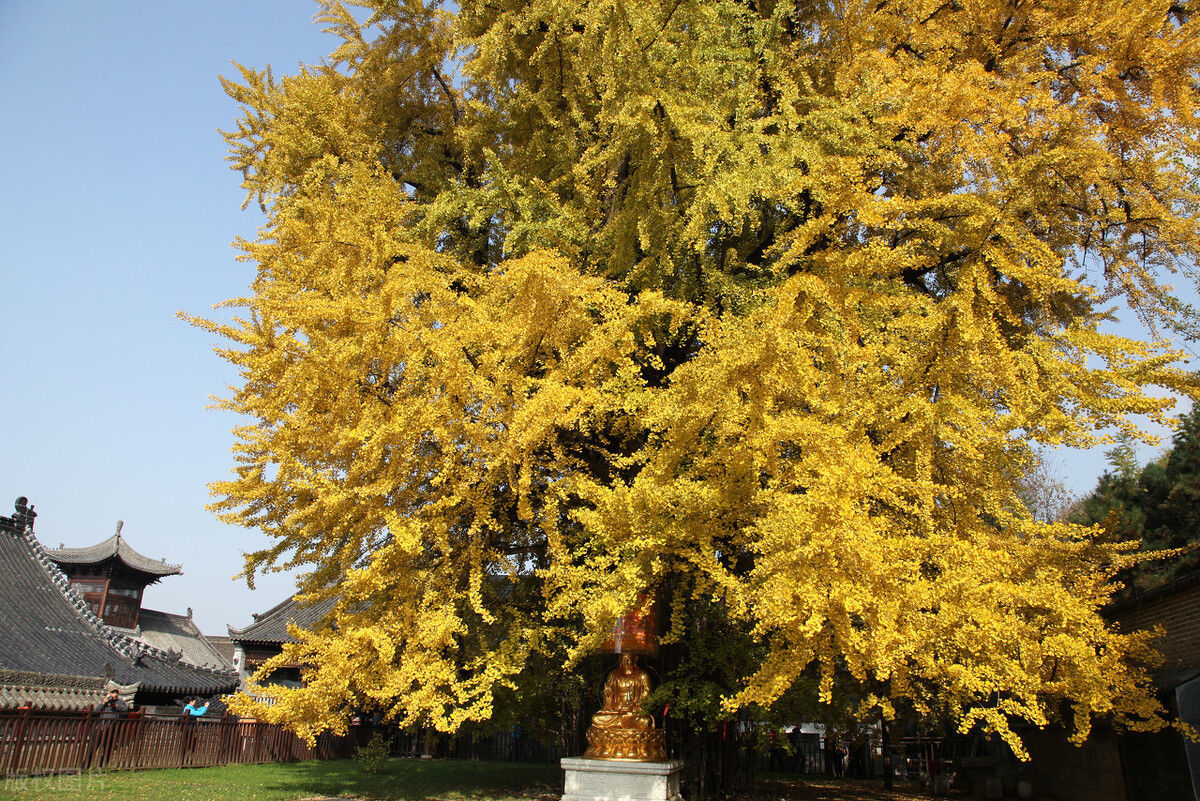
(33, 744)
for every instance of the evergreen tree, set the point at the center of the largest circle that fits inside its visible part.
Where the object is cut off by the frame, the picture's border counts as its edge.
(1157, 506)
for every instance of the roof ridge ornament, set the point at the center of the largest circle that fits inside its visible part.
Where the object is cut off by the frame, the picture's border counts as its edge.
(23, 515)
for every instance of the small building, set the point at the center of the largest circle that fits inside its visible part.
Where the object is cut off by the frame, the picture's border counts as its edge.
(112, 576)
(177, 633)
(265, 637)
(1165, 765)
(223, 646)
(57, 654)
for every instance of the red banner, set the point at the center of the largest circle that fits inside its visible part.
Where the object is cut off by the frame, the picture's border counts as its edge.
(634, 631)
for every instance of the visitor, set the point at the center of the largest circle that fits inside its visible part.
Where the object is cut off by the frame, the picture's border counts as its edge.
(104, 734)
(194, 709)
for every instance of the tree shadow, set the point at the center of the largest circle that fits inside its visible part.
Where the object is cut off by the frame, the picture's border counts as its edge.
(423, 780)
(819, 788)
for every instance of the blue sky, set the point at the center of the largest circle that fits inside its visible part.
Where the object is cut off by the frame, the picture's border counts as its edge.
(118, 211)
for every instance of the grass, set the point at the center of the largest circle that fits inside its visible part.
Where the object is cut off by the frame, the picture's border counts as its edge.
(401, 780)
(777, 786)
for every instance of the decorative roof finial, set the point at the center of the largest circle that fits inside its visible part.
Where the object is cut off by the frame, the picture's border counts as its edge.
(23, 513)
(120, 525)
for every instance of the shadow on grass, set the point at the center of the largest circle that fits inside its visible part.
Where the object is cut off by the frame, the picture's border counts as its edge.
(455, 780)
(423, 780)
(820, 788)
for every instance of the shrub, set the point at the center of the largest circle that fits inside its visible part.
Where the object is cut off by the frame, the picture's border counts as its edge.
(372, 757)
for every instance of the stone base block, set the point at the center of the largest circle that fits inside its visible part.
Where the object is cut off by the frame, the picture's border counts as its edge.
(612, 780)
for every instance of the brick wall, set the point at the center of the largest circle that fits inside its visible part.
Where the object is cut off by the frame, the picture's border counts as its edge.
(1062, 771)
(1131, 767)
(1156, 766)
(1176, 607)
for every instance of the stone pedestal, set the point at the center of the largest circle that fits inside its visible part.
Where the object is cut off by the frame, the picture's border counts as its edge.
(613, 780)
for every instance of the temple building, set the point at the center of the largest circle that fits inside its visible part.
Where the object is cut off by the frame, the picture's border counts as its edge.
(112, 578)
(265, 637)
(59, 654)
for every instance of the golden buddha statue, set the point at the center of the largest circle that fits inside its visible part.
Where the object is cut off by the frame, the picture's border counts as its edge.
(620, 730)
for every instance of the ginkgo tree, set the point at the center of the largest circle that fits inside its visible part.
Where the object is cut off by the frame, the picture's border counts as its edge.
(760, 307)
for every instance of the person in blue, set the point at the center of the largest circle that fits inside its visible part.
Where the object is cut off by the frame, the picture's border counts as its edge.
(194, 709)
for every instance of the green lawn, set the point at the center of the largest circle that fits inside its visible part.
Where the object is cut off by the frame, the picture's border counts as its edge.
(403, 780)
(407, 779)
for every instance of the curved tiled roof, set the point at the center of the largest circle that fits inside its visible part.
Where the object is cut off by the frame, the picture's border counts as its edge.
(222, 645)
(272, 625)
(50, 692)
(51, 630)
(171, 632)
(114, 546)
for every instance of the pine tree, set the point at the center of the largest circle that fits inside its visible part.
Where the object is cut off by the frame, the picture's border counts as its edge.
(1156, 505)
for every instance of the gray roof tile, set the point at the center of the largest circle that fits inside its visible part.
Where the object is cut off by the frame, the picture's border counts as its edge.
(113, 546)
(56, 693)
(50, 630)
(169, 632)
(271, 626)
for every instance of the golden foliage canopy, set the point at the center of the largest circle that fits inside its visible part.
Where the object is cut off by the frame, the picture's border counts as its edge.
(755, 303)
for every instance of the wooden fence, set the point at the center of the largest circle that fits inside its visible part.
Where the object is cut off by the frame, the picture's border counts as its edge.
(35, 744)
